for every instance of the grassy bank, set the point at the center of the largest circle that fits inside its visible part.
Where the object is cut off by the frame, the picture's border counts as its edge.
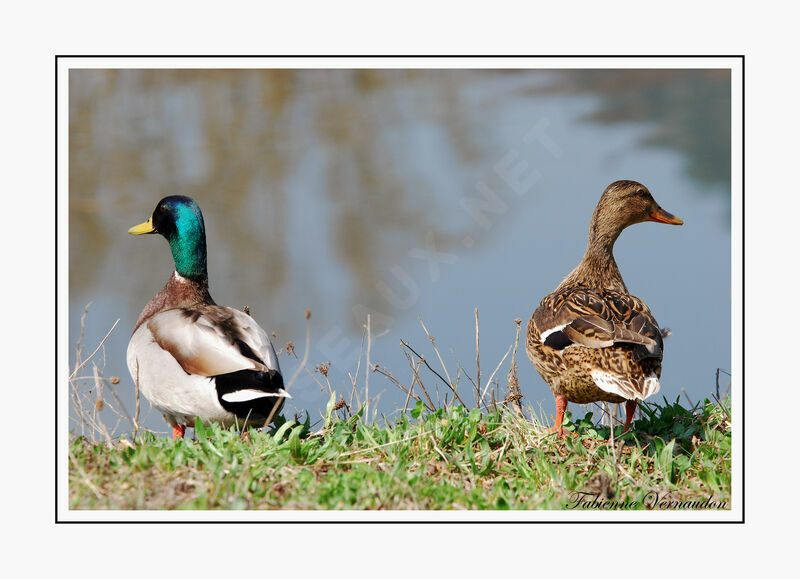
(444, 459)
(495, 455)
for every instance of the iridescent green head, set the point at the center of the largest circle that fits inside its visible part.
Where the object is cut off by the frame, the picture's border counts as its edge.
(179, 220)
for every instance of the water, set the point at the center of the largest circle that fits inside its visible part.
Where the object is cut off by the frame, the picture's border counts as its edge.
(402, 195)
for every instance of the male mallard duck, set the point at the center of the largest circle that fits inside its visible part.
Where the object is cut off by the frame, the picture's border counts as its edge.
(590, 339)
(190, 357)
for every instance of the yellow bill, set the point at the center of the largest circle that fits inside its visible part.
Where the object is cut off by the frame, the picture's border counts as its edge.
(142, 228)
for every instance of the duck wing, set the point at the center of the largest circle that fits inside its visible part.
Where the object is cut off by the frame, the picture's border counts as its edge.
(597, 319)
(211, 340)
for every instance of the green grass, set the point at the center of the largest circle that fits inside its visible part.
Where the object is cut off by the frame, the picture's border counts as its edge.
(445, 459)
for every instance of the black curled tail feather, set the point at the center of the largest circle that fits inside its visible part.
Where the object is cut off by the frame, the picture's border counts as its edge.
(269, 382)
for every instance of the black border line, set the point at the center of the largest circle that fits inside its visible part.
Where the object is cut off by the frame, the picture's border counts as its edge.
(387, 56)
(55, 249)
(391, 56)
(744, 405)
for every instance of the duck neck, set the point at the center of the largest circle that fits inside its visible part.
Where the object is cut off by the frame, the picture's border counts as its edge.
(189, 253)
(179, 292)
(598, 268)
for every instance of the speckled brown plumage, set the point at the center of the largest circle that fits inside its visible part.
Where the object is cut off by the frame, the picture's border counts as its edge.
(590, 339)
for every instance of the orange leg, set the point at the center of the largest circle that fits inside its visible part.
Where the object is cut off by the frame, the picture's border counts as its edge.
(561, 408)
(630, 409)
(177, 431)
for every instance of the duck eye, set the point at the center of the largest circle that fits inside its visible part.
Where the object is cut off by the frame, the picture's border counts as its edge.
(641, 193)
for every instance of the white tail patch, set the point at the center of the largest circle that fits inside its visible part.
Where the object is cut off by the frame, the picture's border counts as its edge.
(651, 386)
(628, 389)
(249, 394)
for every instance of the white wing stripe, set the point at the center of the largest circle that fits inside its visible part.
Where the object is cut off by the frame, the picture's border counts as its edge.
(543, 335)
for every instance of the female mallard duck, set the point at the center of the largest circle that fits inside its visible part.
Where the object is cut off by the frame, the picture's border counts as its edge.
(590, 339)
(190, 357)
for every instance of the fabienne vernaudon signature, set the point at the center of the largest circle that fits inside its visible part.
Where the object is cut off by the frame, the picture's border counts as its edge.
(651, 501)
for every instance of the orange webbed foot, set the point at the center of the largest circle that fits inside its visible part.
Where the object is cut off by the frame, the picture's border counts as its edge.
(561, 408)
(559, 430)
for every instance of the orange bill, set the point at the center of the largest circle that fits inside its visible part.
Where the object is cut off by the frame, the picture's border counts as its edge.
(664, 217)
